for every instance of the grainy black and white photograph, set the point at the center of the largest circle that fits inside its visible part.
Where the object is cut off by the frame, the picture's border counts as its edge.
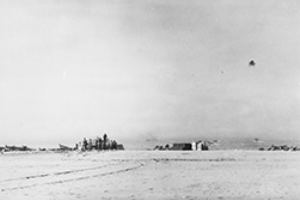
(149, 99)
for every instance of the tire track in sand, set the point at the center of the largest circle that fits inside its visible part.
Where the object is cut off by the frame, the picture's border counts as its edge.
(55, 173)
(76, 178)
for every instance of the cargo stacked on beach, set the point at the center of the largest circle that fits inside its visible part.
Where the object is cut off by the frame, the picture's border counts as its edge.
(98, 143)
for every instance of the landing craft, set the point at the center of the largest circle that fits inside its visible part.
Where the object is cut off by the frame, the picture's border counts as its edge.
(64, 148)
(16, 148)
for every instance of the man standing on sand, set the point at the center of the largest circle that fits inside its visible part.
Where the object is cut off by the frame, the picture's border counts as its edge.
(84, 144)
(90, 144)
(105, 141)
(100, 144)
(97, 143)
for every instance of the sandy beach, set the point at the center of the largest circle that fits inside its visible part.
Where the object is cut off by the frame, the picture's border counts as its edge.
(150, 175)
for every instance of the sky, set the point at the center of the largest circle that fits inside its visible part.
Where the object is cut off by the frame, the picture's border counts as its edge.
(152, 69)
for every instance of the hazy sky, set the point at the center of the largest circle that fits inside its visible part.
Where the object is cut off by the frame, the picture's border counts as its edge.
(139, 69)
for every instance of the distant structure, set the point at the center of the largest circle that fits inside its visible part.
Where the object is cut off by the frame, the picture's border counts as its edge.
(200, 145)
(7, 148)
(280, 148)
(85, 145)
(182, 146)
(99, 144)
(65, 148)
(193, 146)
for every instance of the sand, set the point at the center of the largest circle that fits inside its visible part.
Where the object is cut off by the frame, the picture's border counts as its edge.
(150, 175)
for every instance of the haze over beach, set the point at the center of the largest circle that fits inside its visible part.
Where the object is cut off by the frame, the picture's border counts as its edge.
(140, 70)
(149, 99)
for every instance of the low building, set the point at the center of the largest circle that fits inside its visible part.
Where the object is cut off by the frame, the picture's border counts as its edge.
(182, 146)
(194, 146)
(201, 146)
(120, 147)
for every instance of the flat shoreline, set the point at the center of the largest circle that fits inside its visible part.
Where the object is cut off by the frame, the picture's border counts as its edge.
(235, 174)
